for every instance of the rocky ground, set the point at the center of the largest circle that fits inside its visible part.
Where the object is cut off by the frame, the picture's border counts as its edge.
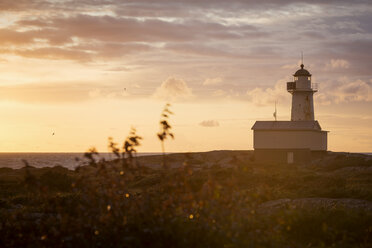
(211, 199)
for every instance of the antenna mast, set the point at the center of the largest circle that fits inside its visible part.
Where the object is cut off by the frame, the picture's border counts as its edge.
(302, 57)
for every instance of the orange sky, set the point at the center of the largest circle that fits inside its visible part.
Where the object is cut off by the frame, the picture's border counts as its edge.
(87, 70)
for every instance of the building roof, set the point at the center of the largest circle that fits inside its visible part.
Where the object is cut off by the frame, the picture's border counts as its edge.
(302, 72)
(287, 125)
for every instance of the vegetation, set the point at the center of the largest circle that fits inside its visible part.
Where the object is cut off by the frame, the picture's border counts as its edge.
(165, 128)
(214, 199)
(102, 204)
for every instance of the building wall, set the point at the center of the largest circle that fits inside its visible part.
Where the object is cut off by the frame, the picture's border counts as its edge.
(271, 139)
(302, 106)
(280, 156)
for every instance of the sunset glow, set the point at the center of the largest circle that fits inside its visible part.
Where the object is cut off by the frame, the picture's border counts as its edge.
(89, 70)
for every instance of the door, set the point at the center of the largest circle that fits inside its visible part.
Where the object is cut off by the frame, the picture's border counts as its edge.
(290, 157)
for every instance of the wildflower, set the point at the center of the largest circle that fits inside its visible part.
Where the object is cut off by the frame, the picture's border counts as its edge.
(108, 207)
(43, 237)
(121, 173)
(191, 216)
(127, 195)
(96, 232)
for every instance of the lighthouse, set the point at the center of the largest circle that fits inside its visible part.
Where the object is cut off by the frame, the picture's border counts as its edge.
(298, 140)
(302, 91)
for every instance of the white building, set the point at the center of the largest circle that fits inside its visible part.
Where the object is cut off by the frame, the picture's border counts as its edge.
(296, 140)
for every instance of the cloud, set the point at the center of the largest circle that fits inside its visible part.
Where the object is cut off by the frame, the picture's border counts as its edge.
(323, 99)
(354, 92)
(105, 29)
(53, 53)
(212, 81)
(45, 93)
(83, 53)
(124, 29)
(219, 93)
(200, 50)
(108, 51)
(103, 36)
(268, 96)
(339, 91)
(156, 8)
(209, 123)
(243, 42)
(60, 93)
(355, 52)
(314, 35)
(118, 69)
(343, 91)
(8, 37)
(108, 93)
(338, 63)
(292, 66)
(173, 89)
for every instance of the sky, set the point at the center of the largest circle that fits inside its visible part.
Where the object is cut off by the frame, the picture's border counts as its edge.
(87, 70)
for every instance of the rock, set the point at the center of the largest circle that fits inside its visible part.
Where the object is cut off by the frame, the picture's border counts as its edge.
(314, 203)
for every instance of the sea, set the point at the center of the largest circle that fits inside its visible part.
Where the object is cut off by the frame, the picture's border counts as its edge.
(39, 160)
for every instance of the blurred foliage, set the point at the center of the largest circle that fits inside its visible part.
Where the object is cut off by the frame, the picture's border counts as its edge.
(165, 130)
(194, 205)
(214, 199)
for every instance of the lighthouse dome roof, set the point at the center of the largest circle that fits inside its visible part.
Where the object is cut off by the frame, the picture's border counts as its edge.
(302, 72)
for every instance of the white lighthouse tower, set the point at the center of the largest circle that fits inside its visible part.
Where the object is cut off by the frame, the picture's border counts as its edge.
(302, 91)
(298, 140)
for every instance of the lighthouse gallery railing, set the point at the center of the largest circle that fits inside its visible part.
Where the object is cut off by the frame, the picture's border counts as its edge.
(291, 86)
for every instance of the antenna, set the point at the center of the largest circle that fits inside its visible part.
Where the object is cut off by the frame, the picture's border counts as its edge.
(302, 60)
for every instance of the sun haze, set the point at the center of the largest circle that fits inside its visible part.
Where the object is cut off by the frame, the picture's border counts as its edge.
(73, 73)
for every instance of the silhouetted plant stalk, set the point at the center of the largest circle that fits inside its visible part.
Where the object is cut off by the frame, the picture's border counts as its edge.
(113, 147)
(165, 128)
(90, 154)
(29, 180)
(129, 146)
(128, 150)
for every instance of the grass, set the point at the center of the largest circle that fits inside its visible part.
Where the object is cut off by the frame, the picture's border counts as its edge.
(193, 205)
